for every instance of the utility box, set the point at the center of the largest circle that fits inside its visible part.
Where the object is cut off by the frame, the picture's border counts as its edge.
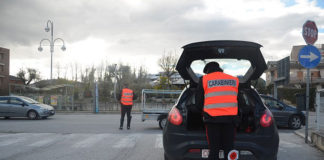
(300, 102)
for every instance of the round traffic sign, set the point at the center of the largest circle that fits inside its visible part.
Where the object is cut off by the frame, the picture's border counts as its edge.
(310, 32)
(309, 56)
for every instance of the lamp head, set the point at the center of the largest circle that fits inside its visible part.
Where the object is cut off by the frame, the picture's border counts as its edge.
(47, 29)
(63, 48)
(40, 49)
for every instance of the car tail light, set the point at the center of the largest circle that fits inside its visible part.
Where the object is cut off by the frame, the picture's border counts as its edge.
(194, 150)
(175, 116)
(248, 129)
(266, 118)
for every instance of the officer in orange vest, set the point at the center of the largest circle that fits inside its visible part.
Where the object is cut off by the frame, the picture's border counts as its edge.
(126, 101)
(216, 98)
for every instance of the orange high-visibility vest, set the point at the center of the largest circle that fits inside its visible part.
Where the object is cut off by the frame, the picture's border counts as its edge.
(220, 94)
(127, 97)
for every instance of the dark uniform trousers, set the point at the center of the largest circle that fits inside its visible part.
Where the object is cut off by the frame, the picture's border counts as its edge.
(124, 110)
(220, 137)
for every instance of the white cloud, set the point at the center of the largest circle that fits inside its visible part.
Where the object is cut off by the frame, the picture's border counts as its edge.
(137, 32)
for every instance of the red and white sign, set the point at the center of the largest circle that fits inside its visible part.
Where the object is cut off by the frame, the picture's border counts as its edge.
(233, 155)
(310, 32)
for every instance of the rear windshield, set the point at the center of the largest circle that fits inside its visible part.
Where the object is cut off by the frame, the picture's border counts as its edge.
(232, 67)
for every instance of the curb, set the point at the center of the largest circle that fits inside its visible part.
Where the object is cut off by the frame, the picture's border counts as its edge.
(318, 140)
(302, 135)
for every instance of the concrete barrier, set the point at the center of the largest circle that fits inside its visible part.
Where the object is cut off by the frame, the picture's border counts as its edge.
(318, 140)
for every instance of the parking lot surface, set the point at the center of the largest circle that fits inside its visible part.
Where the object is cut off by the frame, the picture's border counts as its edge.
(89, 136)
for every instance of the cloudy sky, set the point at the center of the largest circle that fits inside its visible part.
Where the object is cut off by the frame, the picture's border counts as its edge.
(138, 32)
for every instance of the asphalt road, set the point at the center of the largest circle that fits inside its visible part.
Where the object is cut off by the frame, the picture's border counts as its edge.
(88, 136)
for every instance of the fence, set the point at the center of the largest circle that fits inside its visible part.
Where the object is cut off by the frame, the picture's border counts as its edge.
(103, 107)
(319, 120)
(61, 97)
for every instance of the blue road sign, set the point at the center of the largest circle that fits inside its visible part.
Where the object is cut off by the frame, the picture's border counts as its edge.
(309, 56)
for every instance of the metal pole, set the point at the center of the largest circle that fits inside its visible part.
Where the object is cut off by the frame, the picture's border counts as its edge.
(115, 85)
(73, 98)
(307, 106)
(275, 90)
(318, 105)
(52, 49)
(96, 100)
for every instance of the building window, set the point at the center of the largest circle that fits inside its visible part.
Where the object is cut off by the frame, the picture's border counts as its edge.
(315, 74)
(300, 75)
(1, 81)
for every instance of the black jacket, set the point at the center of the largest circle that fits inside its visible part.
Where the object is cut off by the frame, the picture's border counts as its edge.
(200, 98)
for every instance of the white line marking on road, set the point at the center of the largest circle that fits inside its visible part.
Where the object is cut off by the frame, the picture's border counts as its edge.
(93, 139)
(158, 141)
(14, 135)
(127, 142)
(13, 140)
(44, 142)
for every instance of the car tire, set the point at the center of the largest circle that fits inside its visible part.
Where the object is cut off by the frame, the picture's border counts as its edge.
(165, 157)
(32, 115)
(162, 122)
(295, 122)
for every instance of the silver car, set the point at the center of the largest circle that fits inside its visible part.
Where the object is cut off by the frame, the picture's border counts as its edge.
(19, 106)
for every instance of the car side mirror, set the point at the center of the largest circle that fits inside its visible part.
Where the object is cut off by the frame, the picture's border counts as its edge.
(280, 107)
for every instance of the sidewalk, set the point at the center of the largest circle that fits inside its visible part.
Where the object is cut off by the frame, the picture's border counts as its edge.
(301, 133)
(315, 137)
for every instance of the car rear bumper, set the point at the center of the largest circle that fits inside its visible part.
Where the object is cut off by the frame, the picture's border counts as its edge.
(177, 145)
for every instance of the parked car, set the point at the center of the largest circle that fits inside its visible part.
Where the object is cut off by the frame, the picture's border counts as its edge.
(285, 115)
(19, 106)
(184, 135)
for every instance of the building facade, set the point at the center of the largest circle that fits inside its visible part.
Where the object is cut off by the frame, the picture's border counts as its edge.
(297, 74)
(4, 71)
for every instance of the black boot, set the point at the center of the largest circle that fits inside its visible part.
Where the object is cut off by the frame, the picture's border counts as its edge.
(121, 124)
(128, 122)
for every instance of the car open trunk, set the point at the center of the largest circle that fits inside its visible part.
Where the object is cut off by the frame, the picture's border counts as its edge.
(239, 50)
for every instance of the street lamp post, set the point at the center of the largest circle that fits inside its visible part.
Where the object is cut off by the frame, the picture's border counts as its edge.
(51, 42)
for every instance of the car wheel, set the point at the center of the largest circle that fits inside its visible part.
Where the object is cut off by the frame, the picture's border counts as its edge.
(295, 122)
(32, 115)
(165, 157)
(162, 122)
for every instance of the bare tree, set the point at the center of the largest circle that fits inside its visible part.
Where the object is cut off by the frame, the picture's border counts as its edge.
(72, 71)
(76, 71)
(168, 63)
(28, 76)
(58, 70)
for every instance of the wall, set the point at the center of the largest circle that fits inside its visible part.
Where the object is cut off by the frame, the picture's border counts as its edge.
(4, 72)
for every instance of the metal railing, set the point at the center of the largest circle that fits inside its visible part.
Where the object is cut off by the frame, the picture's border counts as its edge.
(303, 80)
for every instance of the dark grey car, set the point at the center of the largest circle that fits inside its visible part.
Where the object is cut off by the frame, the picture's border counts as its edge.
(284, 114)
(184, 136)
(19, 106)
